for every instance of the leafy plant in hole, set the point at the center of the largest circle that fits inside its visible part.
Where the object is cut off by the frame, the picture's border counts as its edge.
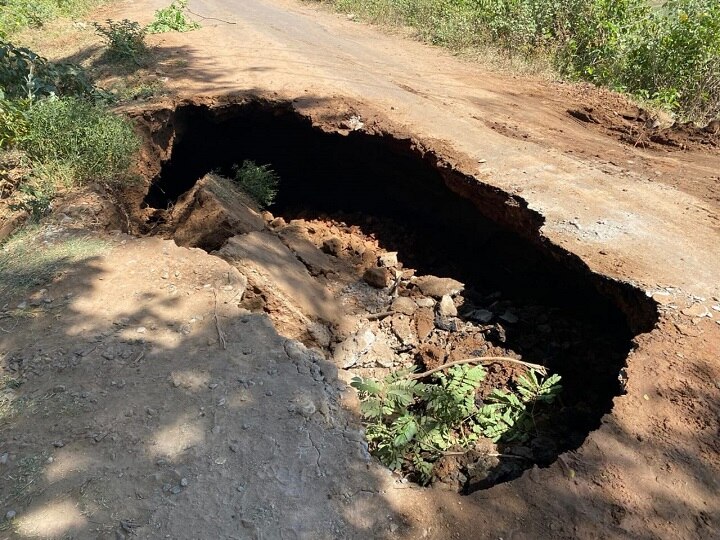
(409, 424)
(172, 19)
(258, 181)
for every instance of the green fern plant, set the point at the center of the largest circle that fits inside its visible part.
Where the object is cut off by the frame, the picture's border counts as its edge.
(410, 425)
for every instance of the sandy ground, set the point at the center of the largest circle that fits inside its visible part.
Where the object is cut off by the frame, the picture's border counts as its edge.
(648, 216)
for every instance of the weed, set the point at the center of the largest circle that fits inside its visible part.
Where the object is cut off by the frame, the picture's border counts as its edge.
(172, 19)
(15, 15)
(92, 143)
(29, 258)
(35, 199)
(125, 39)
(258, 181)
(409, 424)
(13, 121)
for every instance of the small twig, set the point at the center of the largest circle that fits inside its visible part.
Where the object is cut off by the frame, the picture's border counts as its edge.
(381, 315)
(511, 456)
(208, 18)
(482, 360)
(221, 334)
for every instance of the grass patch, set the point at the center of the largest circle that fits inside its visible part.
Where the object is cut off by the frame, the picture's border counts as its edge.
(667, 54)
(94, 143)
(16, 15)
(29, 259)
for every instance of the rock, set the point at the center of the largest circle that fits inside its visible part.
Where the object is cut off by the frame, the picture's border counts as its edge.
(277, 223)
(423, 301)
(184, 482)
(348, 352)
(4, 458)
(58, 444)
(509, 317)
(698, 310)
(320, 333)
(175, 490)
(332, 246)
(438, 287)
(404, 305)
(10, 515)
(388, 260)
(382, 354)
(446, 307)
(449, 324)
(662, 297)
(296, 238)
(482, 316)
(424, 323)
(354, 123)
(402, 328)
(378, 277)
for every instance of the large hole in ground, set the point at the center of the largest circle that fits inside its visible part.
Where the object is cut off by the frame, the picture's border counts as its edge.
(441, 222)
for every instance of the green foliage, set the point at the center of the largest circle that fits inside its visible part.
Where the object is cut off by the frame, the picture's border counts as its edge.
(410, 424)
(509, 416)
(25, 74)
(668, 54)
(172, 19)
(35, 198)
(15, 15)
(89, 141)
(125, 39)
(258, 181)
(13, 121)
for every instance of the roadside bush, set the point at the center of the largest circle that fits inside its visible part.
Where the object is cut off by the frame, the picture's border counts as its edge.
(27, 75)
(13, 121)
(258, 181)
(172, 19)
(90, 142)
(669, 55)
(125, 39)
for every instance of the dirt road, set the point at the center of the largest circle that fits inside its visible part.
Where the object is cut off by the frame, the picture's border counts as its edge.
(647, 214)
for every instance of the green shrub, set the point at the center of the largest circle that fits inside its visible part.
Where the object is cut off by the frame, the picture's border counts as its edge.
(25, 74)
(258, 181)
(409, 424)
(172, 19)
(13, 121)
(668, 54)
(89, 141)
(125, 39)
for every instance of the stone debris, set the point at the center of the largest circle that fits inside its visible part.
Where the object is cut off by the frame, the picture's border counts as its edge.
(404, 305)
(379, 278)
(438, 287)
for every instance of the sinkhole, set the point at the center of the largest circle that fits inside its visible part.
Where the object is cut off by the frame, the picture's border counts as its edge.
(441, 222)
